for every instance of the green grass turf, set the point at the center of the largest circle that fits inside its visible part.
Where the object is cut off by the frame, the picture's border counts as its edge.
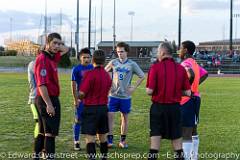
(22, 61)
(219, 122)
(15, 61)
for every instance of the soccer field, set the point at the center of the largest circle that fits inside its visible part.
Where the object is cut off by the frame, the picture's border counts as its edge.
(219, 118)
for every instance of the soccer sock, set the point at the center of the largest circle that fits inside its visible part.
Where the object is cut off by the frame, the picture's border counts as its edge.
(179, 155)
(50, 147)
(76, 131)
(187, 148)
(123, 138)
(110, 138)
(36, 129)
(91, 151)
(38, 145)
(104, 150)
(153, 154)
(195, 140)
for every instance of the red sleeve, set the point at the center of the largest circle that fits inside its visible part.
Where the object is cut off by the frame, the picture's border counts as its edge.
(85, 85)
(151, 80)
(186, 83)
(40, 70)
(57, 57)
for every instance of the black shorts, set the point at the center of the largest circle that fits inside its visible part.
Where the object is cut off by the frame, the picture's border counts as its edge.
(48, 124)
(95, 120)
(190, 112)
(165, 121)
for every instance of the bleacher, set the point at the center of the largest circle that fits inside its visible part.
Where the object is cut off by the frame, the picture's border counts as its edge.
(227, 66)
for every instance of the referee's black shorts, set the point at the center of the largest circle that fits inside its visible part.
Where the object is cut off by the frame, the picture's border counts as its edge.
(48, 124)
(95, 120)
(165, 121)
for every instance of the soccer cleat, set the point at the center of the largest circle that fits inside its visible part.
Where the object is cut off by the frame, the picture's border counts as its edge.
(123, 144)
(77, 147)
(44, 156)
(110, 145)
(110, 141)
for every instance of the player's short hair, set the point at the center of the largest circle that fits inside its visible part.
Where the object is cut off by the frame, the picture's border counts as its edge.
(124, 45)
(190, 46)
(167, 46)
(99, 57)
(51, 36)
(83, 51)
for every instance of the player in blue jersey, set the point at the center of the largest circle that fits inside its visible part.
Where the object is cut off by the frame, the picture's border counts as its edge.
(84, 56)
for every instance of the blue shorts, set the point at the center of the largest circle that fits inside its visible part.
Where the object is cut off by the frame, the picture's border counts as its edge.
(118, 104)
(190, 112)
(78, 112)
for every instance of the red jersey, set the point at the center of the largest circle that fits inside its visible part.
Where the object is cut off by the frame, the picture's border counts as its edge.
(167, 79)
(46, 72)
(96, 85)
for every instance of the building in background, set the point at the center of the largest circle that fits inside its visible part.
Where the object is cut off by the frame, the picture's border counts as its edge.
(23, 47)
(137, 48)
(219, 45)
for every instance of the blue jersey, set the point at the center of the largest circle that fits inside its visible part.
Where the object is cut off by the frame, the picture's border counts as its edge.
(78, 73)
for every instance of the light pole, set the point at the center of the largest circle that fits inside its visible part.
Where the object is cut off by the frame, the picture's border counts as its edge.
(71, 41)
(89, 24)
(77, 30)
(236, 16)
(131, 13)
(45, 20)
(179, 24)
(231, 24)
(60, 21)
(101, 18)
(95, 26)
(11, 21)
(114, 25)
